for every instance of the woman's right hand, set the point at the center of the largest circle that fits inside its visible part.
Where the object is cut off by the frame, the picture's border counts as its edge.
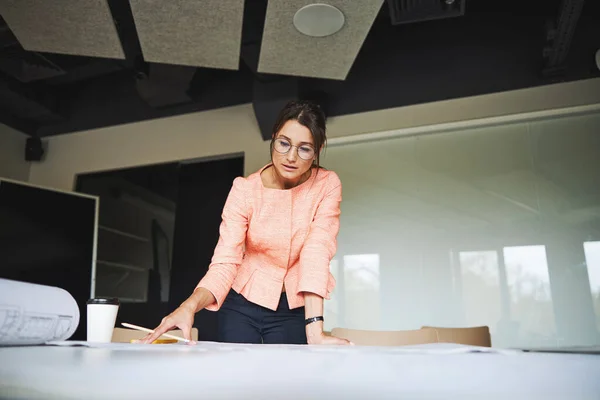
(182, 318)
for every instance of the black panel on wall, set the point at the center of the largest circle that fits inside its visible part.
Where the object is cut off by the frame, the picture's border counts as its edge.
(47, 238)
(203, 190)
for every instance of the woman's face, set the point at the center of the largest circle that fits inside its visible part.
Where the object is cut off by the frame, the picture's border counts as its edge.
(293, 151)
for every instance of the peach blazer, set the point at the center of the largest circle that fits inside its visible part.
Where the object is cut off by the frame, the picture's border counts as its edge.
(274, 237)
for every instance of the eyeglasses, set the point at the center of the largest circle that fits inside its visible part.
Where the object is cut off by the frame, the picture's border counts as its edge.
(283, 146)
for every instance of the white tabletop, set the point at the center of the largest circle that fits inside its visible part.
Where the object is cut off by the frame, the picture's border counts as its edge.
(223, 371)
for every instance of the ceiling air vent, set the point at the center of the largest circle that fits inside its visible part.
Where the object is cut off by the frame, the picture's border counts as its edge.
(27, 66)
(407, 11)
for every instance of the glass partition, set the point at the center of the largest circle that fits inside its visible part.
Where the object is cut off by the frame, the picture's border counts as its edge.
(495, 226)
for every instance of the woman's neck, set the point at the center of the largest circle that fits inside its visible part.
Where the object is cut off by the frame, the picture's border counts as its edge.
(279, 182)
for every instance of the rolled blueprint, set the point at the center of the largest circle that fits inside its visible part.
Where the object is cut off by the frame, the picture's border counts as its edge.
(34, 314)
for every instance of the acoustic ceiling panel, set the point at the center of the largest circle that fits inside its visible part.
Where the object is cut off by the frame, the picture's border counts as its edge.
(286, 51)
(200, 33)
(76, 27)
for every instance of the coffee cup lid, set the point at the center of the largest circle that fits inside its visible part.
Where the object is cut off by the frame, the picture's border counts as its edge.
(104, 300)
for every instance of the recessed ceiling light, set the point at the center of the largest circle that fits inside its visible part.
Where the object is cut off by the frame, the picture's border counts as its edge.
(319, 20)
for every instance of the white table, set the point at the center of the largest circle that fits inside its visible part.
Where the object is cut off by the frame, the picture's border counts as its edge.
(222, 371)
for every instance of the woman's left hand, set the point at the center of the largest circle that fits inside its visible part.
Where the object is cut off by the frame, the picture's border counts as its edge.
(314, 331)
(322, 338)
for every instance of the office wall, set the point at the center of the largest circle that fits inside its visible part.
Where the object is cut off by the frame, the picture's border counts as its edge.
(12, 154)
(234, 130)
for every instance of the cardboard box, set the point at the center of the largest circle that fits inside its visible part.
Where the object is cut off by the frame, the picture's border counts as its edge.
(475, 336)
(386, 338)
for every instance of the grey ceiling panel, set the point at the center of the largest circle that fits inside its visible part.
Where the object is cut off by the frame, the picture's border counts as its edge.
(200, 33)
(286, 51)
(77, 27)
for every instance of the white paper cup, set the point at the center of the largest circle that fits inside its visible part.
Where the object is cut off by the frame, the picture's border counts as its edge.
(101, 318)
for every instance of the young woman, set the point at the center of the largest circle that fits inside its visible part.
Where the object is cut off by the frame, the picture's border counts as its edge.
(270, 269)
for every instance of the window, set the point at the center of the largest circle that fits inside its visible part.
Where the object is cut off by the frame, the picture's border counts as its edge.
(361, 291)
(530, 296)
(480, 288)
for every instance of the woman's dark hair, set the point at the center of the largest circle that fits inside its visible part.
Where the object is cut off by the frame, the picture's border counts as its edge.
(307, 114)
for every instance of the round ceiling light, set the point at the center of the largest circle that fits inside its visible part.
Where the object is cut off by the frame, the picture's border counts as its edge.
(319, 20)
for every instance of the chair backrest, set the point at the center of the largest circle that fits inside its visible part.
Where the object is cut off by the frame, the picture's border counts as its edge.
(123, 335)
(386, 338)
(473, 336)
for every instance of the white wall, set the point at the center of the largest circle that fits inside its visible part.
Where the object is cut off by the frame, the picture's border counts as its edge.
(12, 154)
(234, 129)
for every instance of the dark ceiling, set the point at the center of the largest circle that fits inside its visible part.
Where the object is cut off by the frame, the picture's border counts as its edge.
(495, 46)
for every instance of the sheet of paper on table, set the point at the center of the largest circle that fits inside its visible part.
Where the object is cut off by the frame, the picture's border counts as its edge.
(433, 348)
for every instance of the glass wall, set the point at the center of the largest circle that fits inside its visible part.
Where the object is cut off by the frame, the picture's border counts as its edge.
(496, 226)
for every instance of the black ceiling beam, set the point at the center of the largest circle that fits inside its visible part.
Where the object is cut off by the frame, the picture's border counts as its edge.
(560, 35)
(125, 24)
(255, 12)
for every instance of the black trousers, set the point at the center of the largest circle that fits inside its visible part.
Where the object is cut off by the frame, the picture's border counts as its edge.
(241, 321)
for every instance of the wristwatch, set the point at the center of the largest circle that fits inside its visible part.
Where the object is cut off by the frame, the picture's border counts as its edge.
(308, 321)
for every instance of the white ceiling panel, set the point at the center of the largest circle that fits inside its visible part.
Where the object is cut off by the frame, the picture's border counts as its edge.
(75, 27)
(286, 51)
(200, 33)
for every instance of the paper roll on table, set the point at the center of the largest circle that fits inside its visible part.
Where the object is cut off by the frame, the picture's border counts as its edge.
(33, 314)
